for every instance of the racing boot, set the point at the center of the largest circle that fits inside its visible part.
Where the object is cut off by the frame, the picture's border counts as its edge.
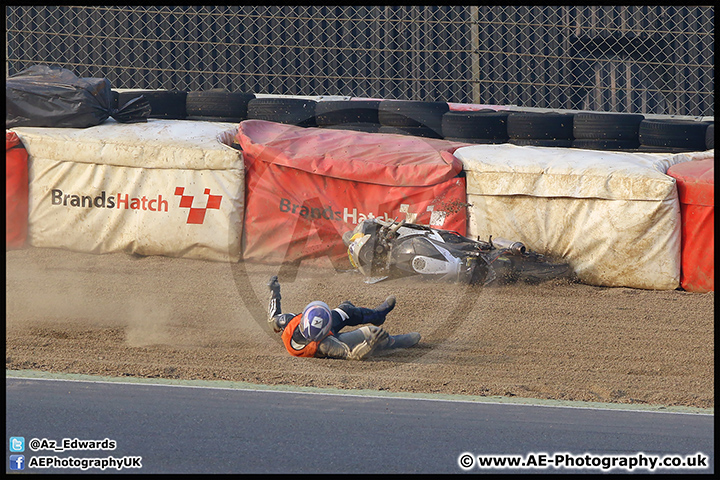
(406, 340)
(377, 315)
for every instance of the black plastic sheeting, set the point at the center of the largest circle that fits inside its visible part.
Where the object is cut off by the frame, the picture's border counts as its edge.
(50, 96)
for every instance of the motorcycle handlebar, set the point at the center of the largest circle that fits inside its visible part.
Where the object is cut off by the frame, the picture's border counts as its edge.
(394, 228)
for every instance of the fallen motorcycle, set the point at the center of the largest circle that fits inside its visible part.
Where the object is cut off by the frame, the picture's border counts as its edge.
(382, 249)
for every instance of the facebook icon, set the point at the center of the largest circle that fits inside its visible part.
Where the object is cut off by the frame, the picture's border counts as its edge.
(17, 462)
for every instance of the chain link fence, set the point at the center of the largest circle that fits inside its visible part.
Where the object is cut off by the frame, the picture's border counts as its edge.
(635, 59)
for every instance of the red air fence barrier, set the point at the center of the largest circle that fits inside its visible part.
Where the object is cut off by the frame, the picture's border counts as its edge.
(305, 187)
(16, 194)
(696, 191)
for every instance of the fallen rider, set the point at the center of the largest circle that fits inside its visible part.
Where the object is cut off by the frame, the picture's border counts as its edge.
(316, 331)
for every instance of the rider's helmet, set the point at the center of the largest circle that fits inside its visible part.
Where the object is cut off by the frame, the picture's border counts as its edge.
(316, 321)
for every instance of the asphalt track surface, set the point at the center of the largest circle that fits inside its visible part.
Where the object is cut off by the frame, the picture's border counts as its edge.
(185, 428)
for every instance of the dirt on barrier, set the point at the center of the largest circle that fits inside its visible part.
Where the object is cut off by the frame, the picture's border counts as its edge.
(158, 317)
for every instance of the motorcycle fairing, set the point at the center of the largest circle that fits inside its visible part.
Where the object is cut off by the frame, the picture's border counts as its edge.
(421, 255)
(417, 249)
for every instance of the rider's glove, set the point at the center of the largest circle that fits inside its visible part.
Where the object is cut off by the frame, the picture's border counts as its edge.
(365, 348)
(377, 335)
(361, 351)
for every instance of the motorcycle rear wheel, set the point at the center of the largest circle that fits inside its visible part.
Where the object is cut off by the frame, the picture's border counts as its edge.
(529, 271)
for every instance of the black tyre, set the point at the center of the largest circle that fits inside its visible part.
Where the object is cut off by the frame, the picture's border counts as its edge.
(538, 272)
(206, 118)
(532, 267)
(167, 104)
(339, 112)
(293, 111)
(360, 127)
(407, 113)
(478, 124)
(218, 103)
(543, 126)
(539, 142)
(655, 149)
(688, 134)
(710, 137)
(607, 144)
(601, 126)
(414, 131)
(478, 141)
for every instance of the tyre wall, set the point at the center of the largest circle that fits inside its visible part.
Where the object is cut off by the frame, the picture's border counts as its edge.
(59, 155)
(696, 191)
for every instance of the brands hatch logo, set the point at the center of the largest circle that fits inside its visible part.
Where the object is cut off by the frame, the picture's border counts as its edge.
(124, 201)
(196, 215)
(436, 217)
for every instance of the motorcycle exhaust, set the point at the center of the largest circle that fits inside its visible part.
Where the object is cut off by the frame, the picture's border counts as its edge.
(517, 248)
